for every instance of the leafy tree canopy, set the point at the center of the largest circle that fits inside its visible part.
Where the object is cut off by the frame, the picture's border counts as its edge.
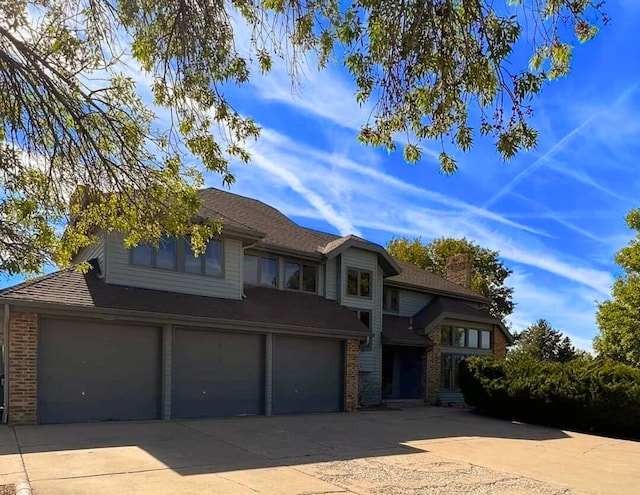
(543, 343)
(71, 114)
(619, 317)
(488, 272)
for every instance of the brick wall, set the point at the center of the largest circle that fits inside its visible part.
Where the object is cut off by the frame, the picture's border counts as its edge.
(352, 352)
(23, 359)
(433, 363)
(499, 344)
(458, 269)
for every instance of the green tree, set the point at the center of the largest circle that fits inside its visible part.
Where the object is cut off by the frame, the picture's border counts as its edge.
(619, 317)
(543, 343)
(488, 272)
(71, 112)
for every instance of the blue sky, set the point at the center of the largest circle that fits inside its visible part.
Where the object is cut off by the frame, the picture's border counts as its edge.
(555, 214)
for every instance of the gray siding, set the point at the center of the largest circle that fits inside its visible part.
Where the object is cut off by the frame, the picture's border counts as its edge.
(120, 271)
(411, 302)
(370, 361)
(330, 279)
(94, 251)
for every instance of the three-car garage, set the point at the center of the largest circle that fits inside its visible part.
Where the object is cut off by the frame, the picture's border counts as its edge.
(93, 370)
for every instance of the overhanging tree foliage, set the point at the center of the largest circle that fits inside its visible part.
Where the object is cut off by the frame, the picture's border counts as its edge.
(435, 69)
(619, 317)
(488, 272)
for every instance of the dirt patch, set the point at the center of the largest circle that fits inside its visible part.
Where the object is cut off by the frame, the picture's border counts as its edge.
(7, 490)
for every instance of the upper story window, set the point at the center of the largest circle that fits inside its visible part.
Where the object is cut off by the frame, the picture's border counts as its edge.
(466, 337)
(208, 263)
(164, 256)
(390, 300)
(358, 282)
(260, 270)
(169, 251)
(298, 276)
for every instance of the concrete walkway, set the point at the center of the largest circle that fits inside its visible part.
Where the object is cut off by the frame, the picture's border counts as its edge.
(415, 451)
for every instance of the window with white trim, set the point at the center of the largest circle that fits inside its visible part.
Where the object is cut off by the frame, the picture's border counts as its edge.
(358, 282)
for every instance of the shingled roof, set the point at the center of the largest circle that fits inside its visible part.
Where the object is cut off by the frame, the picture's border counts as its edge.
(280, 232)
(263, 306)
(399, 330)
(441, 308)
(415, 277)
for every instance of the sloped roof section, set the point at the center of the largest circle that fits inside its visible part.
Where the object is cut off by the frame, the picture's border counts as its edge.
(279, 231)
(413, 276)
(442, 308)
(399, 330)
(72, 289)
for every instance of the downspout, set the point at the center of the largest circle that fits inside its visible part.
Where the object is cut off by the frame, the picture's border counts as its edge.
(5, 360)
(244, 248)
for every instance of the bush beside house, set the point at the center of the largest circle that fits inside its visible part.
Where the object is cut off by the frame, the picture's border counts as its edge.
(587, 395)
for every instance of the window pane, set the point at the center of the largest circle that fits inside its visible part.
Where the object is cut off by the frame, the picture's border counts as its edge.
(473, 338)
(292, 276)
(365, 290)
(395, 300)
(365, 318)
(456, 371)
(166, 254)
(142, 255)
(486, 339)
(269, 272)
(458, 337)
(445, 381)
(308, 278)
(250, 269)
(191, 263)
(213, 258)
(445, 336)
(352, 282)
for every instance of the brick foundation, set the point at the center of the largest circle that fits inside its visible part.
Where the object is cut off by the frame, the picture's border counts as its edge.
(352, 353)
(23, 361)
(499, 344)
(433, 364)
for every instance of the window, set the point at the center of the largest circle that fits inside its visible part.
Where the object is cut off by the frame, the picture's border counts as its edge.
(365, 318)
(485, 339)
(358, 283)
(450, 371)
(298, 276)
(208, 263)
(169, 251)
(471, 338)
(260, 271)
(142, 255)
(390, 300)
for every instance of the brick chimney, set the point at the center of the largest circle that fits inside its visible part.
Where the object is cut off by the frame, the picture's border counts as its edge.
(458, 269)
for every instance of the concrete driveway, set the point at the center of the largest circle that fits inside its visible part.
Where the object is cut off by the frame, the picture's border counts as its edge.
(419, 450)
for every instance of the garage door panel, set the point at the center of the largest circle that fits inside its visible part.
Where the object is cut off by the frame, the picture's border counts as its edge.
(308, 375)
(91, 371)
(217, 374)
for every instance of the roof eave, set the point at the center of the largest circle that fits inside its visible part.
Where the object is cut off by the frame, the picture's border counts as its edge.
(389, 266)
(152, 316)
(428, 290)
(449, 315)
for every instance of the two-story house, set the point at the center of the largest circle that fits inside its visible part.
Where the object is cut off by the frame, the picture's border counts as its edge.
(273, 318)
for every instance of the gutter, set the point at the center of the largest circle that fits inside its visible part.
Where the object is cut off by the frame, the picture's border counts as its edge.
(5, 360)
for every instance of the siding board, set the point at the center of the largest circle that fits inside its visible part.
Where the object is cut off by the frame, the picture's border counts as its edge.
(119, 271)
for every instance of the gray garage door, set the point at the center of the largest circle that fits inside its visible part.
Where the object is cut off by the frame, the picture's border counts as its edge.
(217, 374)
(97, 371)
(308, 375)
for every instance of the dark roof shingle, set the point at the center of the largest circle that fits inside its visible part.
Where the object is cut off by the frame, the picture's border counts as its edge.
(414, 276)
(262, 305)
(396, 330)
